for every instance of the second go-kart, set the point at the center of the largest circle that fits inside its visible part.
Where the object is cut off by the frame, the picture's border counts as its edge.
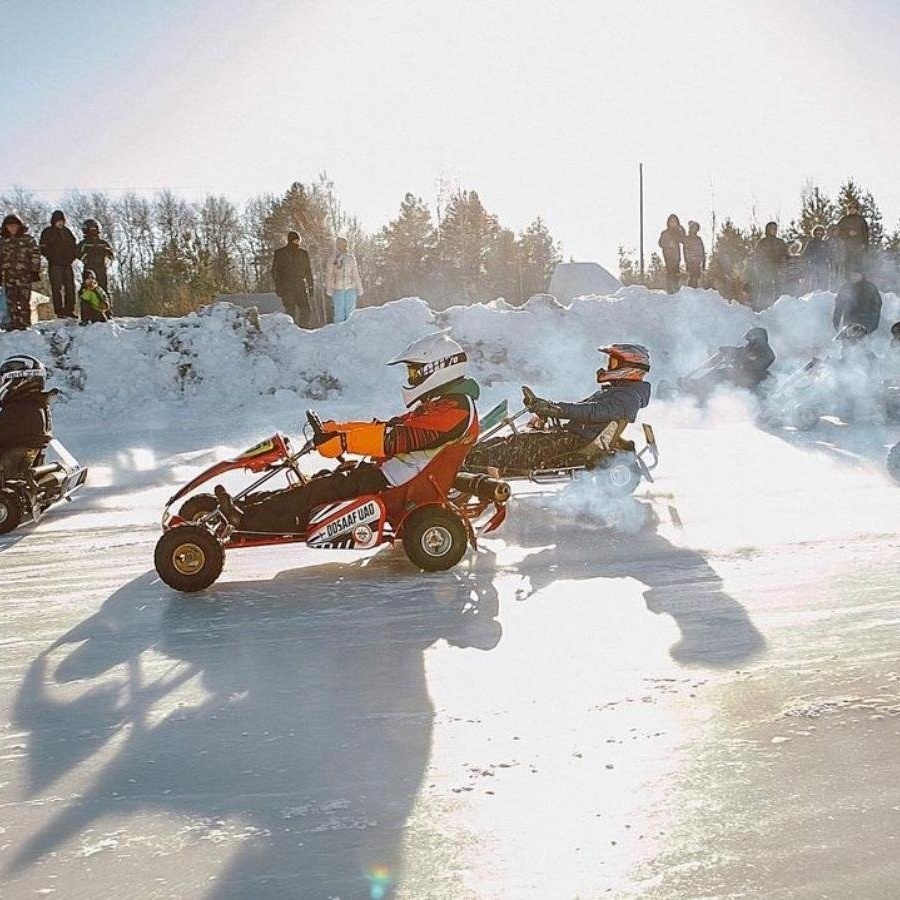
(512, 450)
(25, 496)
(435, 515)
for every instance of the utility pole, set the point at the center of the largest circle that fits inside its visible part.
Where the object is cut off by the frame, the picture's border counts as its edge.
(641, 190)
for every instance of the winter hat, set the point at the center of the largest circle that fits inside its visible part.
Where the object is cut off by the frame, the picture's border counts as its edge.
(13, 219)
(293, 236)
(88, 275)
(58, 216)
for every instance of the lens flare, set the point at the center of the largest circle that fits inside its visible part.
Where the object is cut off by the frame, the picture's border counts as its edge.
(379, 881)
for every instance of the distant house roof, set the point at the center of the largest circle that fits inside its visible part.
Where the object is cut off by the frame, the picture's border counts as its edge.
(578, 279)
(266, 303)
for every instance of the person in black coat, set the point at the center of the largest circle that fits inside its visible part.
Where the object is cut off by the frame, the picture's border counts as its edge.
(670, 242)
(818, 257)
(853, 230)
(293, 277)
(857, 302)
(95, 252)
(771, 255)
(60, 249)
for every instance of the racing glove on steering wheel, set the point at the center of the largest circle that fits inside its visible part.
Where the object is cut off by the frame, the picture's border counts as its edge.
(359, 438)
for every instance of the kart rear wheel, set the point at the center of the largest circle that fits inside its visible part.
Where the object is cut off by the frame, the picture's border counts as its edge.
(188, 558)
(11, 511)
(197, 507)
(893, 463)
(434, 539)
(622, 477)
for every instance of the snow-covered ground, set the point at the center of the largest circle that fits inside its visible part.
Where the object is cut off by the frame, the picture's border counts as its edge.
(701, 702)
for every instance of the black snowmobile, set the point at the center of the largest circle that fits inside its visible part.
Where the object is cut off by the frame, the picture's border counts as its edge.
(28, 493)
(893, 462)
(511, 449)
(744, 367)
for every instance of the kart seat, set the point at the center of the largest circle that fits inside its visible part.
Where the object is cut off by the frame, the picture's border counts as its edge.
(608, 440)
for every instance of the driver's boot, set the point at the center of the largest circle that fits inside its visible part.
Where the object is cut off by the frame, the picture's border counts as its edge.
(232, 512)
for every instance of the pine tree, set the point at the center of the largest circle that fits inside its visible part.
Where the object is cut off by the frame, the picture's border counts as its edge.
(728, 263)
(817, 209)
(467, 236)
(404, 252)
(539, 255)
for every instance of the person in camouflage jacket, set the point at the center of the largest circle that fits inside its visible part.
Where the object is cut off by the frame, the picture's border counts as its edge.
(20, 267)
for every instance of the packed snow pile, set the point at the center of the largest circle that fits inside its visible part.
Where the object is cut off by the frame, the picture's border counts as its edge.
(225, 359)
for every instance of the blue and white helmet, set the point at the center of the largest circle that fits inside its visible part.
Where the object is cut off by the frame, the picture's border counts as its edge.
(21, 375)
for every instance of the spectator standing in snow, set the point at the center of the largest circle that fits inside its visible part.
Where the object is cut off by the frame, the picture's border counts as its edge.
(694, 255)
(20, 267)
(342, 281)
(95, 252)
(835, 258)
(857, 302)
(93, 299)
(818, 259)
(796, 270)
(670, 242)
(853, 230)
(293, 279)
(60, 249)
(770, 257)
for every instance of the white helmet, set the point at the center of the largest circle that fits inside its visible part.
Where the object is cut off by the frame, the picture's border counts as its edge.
(431, 362)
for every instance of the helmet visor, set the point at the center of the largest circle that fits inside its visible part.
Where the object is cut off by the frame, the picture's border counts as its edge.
(415, 374)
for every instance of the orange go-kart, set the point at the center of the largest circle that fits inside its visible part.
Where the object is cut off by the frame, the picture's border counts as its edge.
(435, 515)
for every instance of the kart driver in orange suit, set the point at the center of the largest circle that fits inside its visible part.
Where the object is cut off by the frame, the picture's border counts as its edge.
(441, 402)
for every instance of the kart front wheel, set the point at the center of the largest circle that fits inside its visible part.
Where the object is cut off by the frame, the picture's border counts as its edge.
(188, 558)
(434, 539)
(197, 507)
(893, 463)
(11, 511)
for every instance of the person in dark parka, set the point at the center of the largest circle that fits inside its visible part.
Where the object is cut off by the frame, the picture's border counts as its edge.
(20, 267)
(26, 426)
(857, 302)
(818, 257)
(770, 257)
(95, 252)
(853, 230)
(670, 242)
(60, 249)
(293, 277)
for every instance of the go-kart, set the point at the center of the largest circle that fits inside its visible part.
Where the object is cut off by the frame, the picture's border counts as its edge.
(893, 463)
(25, 496)
(511, 449)
(435, 515)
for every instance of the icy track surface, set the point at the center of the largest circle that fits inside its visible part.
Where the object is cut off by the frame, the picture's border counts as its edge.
(701, 699)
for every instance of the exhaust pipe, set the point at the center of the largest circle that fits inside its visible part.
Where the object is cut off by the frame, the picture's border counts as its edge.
(491, 490)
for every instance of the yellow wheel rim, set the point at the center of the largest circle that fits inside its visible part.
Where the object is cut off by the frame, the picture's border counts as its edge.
(188, 559)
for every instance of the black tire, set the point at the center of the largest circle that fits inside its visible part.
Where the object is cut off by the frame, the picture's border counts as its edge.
(622, 476)
(188, 558)
(11, 511)
(893, 463)
(434, 539)
(196, 507)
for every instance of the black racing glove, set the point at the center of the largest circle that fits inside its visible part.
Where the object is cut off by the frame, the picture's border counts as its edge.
(543, 409)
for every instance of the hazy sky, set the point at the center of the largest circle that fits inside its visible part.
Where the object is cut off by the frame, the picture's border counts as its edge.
(545, 108)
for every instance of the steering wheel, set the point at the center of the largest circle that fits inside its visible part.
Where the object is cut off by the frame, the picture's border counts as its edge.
(319, 432)
(315, 423)
(528, 396)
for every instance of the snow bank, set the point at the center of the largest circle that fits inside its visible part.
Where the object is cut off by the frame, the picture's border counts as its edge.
(223, 360)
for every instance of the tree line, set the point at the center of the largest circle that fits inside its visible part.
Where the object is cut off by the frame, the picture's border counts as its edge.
(733, 247)
(175, 255)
